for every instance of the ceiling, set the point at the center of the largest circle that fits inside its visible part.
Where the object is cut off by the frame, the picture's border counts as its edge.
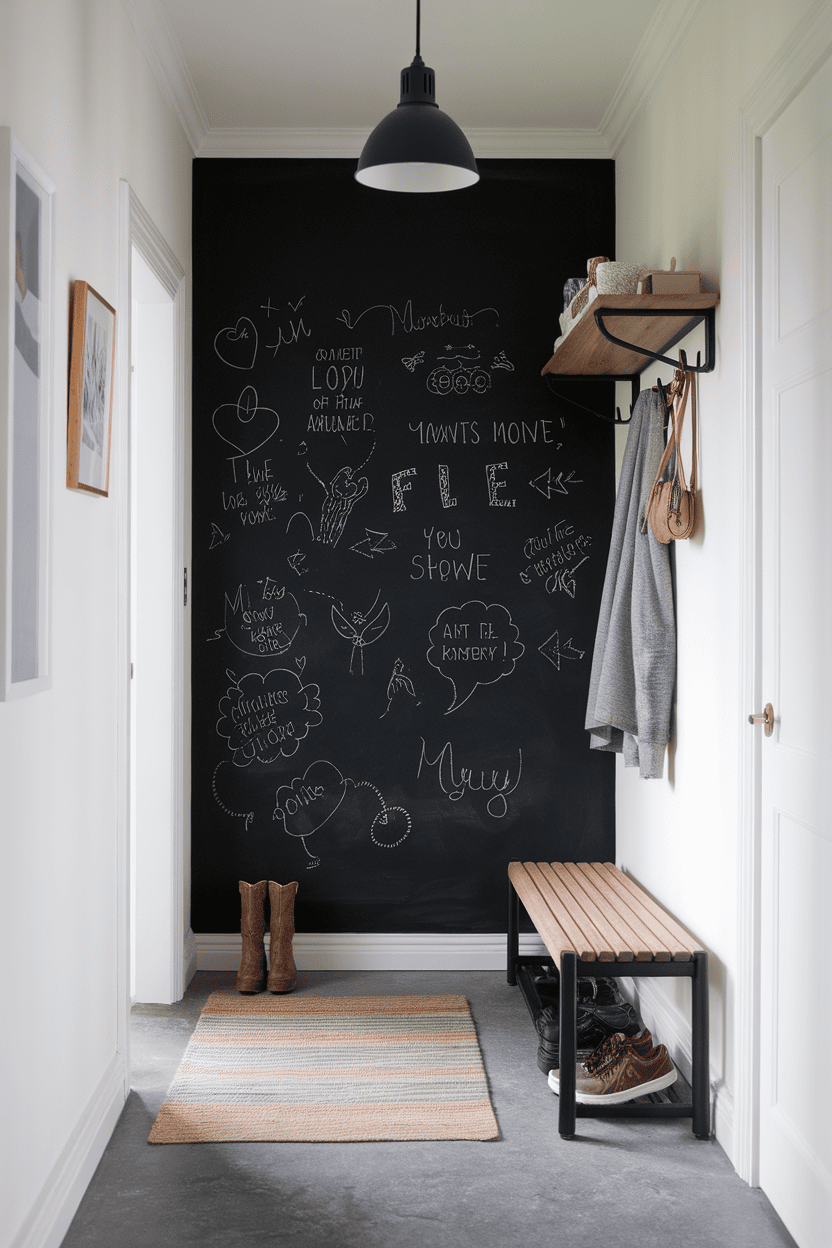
(568, 75)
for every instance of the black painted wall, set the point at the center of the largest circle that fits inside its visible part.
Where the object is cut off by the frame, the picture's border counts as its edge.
(399, 542)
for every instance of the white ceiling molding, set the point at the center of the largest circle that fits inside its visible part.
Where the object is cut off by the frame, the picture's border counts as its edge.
(506, 144)
(164, 55)
(664, 33)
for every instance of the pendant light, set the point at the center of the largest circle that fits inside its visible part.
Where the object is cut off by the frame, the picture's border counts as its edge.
(417, 147)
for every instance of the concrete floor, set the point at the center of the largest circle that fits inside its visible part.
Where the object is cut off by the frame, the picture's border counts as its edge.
(618, 1183)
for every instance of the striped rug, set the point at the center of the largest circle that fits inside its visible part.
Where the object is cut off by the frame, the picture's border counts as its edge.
(329, 1069)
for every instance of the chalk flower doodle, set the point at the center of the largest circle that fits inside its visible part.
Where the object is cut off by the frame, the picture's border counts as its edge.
(473, 645)
(244, 425)
(309, 801)
(267, 717)
(264, 622)
(361, 629)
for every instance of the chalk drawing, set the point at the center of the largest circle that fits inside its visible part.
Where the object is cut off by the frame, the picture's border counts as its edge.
(553, 650)
(547, 485)
(361, 629)
(398, 682)
(410, 362)
(375, 543)
(308, 802)
(265, 621)
(408, 322)
(267, 717)
(247, 816)
(502, 361)
(236, 345)
(473, 645)
(218, 538)
(244, 425)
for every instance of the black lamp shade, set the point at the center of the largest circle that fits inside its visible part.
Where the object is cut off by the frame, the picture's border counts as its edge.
(417, 147)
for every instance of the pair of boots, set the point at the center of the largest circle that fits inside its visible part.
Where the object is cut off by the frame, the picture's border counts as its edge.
(283, 975)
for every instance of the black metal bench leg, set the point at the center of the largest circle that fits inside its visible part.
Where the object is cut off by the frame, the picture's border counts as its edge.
(699, 1044)
(513, 934)
(568, 1043)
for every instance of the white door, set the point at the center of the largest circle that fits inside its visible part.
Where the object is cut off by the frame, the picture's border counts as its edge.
(796, 764)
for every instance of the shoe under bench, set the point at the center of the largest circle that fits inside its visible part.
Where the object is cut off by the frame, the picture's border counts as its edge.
(595, 921)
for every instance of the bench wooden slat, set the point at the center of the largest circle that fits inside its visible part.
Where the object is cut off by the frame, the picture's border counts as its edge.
(681, 944)
(619, 940)
(605, 943)
(538, 911)
(656, 942)
(549, 915)
(628, 932)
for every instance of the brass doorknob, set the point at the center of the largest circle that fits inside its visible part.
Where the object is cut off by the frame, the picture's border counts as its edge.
(766, 719)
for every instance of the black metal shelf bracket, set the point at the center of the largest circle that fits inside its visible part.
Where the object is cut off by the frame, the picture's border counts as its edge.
(708, 315)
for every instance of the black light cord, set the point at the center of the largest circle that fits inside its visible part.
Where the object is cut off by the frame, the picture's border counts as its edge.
(418, 23)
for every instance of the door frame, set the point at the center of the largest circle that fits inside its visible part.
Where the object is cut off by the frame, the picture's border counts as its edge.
(136, 229)
(787, 73)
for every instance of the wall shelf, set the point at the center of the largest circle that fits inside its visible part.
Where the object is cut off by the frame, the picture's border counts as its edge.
(653, 322)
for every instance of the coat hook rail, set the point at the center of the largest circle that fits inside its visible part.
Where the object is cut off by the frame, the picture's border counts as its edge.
(708, 315)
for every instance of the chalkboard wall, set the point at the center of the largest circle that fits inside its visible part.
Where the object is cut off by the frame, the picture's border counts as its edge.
(399, 542)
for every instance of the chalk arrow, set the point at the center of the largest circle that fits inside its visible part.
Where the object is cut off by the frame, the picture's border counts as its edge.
(373, 544)
(554, 651)
(547, 485)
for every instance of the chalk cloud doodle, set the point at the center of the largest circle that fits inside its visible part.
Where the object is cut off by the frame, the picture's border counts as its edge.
(473, 645)
(309, 801)
(267, 717)
(244, 425)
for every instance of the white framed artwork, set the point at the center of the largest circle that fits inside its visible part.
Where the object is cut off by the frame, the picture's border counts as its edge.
(26, 301)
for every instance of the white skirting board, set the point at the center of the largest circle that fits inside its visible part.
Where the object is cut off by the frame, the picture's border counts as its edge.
(361, 951)
(670, 1026)
(48, 1222)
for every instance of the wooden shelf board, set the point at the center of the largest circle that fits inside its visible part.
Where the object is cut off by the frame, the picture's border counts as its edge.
(586, 352)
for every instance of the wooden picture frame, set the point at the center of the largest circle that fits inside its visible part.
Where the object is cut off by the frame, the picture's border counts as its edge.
(90, 410)
(26, 369)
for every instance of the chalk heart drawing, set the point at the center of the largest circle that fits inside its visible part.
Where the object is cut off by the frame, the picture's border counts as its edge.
(310, 800)
(473, 645)
(236, 345)
(245, 425)
(267, 717)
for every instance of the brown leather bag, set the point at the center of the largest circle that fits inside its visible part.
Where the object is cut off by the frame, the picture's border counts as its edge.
(671, 505)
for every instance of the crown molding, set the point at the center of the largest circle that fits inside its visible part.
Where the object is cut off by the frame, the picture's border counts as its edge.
(164, 55)
(661, 38)
(348, 141)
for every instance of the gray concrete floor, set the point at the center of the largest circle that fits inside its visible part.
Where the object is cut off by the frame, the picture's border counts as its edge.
(618, 1183)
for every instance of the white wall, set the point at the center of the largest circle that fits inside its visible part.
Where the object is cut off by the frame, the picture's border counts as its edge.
(678, 193)
(79, 95)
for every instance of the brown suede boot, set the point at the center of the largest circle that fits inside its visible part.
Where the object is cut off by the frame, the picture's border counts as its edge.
(251, 976)
(283, 974)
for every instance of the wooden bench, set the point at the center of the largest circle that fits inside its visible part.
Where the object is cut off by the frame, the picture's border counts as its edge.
(595, 921)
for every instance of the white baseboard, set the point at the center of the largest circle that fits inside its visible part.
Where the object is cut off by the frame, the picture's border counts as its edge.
(190, 955)
(361, 951)
(671, 1027)
(53, 1211)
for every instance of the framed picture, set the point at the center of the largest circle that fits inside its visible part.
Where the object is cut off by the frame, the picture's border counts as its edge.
(26, 282)
(89, 419)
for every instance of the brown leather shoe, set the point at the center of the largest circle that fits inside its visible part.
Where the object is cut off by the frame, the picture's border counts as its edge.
(626, 1077)
(283, 975)
(251, 976)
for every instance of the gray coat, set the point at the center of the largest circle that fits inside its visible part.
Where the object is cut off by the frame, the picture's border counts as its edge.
(634, 662)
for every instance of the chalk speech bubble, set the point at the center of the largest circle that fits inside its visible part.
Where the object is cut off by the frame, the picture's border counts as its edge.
(262, 618)
(305, 805)
(473, 645)
(267, 717)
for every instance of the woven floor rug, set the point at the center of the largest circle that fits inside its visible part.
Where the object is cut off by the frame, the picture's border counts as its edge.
(329, 1069)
